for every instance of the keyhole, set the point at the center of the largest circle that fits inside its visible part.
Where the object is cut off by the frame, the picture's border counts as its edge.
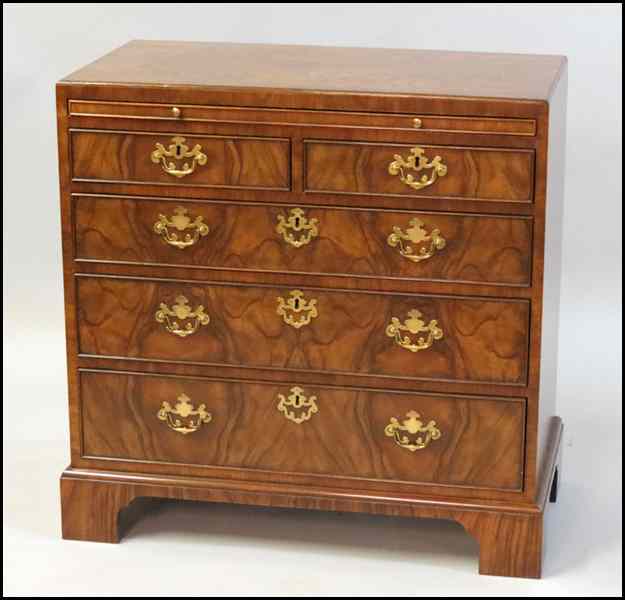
(296, 222)
(297, 399)
(178, 150)
(296, 303)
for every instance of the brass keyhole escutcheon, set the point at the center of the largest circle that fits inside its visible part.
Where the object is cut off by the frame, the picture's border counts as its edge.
(297, 230)
(297, 311)
(417, 161)
(297, 407)
(178, 150)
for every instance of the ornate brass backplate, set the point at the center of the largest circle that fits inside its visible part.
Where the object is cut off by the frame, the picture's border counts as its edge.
(181, 417)
(425, 245)
(414, 325)
(411, 434)
(178, 150)
(297, 223)
(417, 161)
(296, 311)
(296, 406)
(181, 222)
(181, 311)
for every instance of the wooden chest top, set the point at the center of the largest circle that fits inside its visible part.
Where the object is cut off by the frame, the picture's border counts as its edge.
(324, 68)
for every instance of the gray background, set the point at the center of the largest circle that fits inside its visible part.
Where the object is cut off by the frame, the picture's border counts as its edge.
(237, 550)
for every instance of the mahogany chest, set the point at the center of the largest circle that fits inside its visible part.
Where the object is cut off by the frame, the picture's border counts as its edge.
(315, 277)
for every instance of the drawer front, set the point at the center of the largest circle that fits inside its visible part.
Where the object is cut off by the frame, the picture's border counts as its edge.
(360, 333)
(434, 246)
(178, 159)
(445, 440)
(229, 114)
(437, 171)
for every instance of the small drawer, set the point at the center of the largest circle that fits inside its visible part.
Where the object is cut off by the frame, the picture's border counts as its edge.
(488, 174)
(344, 242)
(180, 159)
(305, 430)
(274, 116)
(411, 336)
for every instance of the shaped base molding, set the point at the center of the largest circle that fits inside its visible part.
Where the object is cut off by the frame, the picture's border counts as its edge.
(98, 506)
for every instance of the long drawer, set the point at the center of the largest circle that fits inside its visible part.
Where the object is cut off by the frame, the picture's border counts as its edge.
(406, 245)
(379, 435)
(360, 333)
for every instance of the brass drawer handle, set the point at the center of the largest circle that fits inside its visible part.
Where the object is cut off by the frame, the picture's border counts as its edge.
(181, 417)
(297, 222)
(178, 150)
(411, 434)
(180, 222)
(291, 309)
(181, 311)
(414, 325)
(427, 244)
(417, 161)
(296, 406)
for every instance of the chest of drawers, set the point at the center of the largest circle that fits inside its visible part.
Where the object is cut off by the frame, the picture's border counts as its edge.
(323, 278)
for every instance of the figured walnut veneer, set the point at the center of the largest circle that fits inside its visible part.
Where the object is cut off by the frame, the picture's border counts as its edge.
(204, 187)
(472, 173)
(345, 431)
(231, 162)
(350, 242)
(483, 340)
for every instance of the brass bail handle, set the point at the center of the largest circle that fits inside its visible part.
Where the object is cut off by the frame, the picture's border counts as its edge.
(415, 243)
(414, 325)
(179, 230)
(178, 151)
(411, 434)
(417, 161)
(180, 319)
(183, 417)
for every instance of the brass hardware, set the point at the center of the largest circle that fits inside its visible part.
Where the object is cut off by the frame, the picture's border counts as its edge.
(184, 409)
(297, 221)
(417, 161)
(296, 304)
(417, 123)
(181, 311)
(304, 408)
(414, 324)
(414, 427)
(178, 150)
(180, 221)
(428, 243)
(175, 111)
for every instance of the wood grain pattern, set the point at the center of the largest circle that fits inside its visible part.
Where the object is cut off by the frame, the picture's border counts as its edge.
(481, 249)
(259, 108)
(189, 112)
(510, 538)
(473, 173)
(483, 340)
(232, 162)
(481, 443)
(267, 67)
